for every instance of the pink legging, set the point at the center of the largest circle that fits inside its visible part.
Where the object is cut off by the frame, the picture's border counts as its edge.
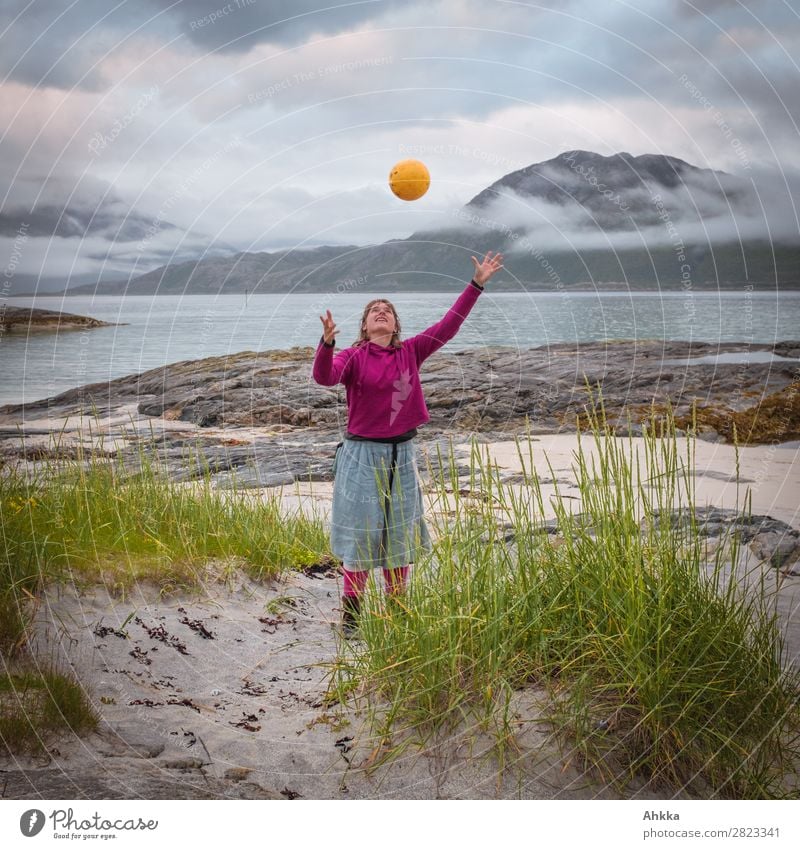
(394, 579)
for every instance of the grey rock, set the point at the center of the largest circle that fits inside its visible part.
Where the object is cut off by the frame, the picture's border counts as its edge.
(119, 781)
(533, 390)
(632, 429)
(710, 435)
(771, 539)
(129, 742)
(120, 748)
(780, 548)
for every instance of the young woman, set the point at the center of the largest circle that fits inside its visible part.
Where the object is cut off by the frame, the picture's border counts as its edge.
(377, 516)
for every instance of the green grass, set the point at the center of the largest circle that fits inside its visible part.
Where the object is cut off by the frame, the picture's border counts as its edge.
(89, 519)
(654, 667)
(37, 704)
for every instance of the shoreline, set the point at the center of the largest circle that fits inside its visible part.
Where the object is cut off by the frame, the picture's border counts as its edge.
(493, 389)
(740, 353)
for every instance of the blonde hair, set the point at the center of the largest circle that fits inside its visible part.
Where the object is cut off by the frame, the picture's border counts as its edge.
(362, 333)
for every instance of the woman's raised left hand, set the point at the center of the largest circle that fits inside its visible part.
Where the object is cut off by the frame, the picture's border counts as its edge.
(484, 270)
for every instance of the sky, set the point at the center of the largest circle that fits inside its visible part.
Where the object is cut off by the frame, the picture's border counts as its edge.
(141, 133)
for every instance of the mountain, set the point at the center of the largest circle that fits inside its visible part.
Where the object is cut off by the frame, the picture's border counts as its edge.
(617, 192)
(579, 220)
(240, 272)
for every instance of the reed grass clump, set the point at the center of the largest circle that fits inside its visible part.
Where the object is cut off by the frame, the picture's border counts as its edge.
(660, 660)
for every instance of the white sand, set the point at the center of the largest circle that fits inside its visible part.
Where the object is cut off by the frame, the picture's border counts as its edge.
(272, 675)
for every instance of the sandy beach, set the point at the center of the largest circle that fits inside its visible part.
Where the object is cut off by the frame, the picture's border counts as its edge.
(223, 692)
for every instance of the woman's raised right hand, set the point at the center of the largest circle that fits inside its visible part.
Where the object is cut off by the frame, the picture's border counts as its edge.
(329, 330)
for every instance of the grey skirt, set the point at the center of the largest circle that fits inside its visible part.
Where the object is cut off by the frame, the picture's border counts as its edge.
(377, 514)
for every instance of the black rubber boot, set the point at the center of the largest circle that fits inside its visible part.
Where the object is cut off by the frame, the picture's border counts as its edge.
(351, 608)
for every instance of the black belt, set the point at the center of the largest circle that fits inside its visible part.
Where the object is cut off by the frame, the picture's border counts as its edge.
(393, 440)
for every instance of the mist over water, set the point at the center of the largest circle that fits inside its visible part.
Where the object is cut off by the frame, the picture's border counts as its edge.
(168, 329)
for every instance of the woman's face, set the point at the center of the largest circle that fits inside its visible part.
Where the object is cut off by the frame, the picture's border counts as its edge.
(380, 322)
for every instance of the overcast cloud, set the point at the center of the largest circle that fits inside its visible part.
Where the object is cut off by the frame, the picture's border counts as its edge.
(145, 130)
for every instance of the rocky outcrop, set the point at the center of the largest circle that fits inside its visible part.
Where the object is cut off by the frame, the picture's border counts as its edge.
(491, 390)
(28, 319)
(257, 419)
(130, 779)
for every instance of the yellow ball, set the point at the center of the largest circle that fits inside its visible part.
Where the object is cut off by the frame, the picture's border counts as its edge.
(409, 179)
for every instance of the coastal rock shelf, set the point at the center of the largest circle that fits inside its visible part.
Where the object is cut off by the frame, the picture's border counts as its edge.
(490, 391)
(258, 419)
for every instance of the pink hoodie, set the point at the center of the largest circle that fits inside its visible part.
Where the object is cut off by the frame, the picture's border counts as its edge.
(384, 394)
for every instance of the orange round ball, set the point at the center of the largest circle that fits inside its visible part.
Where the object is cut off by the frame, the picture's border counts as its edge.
(409, 179)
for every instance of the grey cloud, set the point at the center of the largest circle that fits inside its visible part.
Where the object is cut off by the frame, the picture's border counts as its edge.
(64, 207)
(111, 220)
(699, 8)
(56, 43)
(595, 56)
(238, 25)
